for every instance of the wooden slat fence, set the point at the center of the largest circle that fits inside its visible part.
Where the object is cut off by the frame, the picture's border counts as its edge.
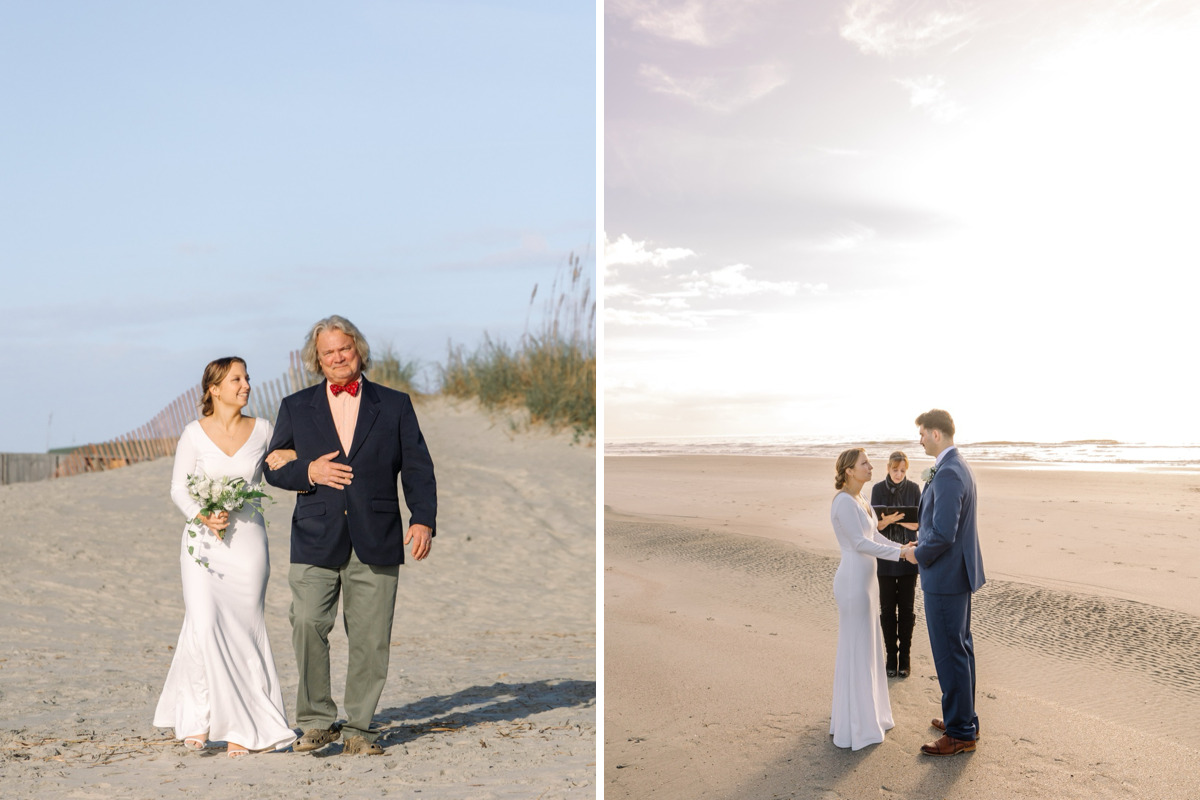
(24, 467)
(158, 437)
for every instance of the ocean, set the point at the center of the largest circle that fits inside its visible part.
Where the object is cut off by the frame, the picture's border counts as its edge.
(1096, 454)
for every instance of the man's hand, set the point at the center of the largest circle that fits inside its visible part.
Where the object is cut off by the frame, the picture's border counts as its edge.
(327, 473)
(909, 554)
(421, 537)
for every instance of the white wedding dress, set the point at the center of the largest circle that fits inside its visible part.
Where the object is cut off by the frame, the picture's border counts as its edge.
(222, 679)
(861, 708)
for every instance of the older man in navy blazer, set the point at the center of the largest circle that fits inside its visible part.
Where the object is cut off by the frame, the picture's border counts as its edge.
(353, 439)
(951, 567)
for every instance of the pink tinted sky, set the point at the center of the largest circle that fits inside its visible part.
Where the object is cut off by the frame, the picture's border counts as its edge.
(825, 217)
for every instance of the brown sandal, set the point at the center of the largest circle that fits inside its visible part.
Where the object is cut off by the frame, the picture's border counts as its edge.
(359, 746)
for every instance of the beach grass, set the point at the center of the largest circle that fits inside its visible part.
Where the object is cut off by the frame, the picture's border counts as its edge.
(390, 369)
(550, 372)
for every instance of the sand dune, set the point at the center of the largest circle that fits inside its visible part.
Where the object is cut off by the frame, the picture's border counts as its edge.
(492, 691)
(720, 632)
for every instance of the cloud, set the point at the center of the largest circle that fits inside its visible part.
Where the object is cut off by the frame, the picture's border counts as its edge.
(929, 93)
(731, 281)
(633, 318)
(853, 236)
(667, 298)
(624, 250)
(614, 290)
(668, 301)
(679, 22)
(886, 27)
(694, 22)
(721, 91)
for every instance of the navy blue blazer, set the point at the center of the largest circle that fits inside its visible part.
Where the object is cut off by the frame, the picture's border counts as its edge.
(365, 515)
(948, 543)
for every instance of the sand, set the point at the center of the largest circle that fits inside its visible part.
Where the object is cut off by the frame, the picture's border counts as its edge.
(492, 690)
(720, 635)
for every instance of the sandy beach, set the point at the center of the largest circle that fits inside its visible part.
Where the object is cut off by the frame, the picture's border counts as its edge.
(492, 689)
(720, 636)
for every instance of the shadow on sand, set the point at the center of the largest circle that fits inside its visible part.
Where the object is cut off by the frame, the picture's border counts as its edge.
(818, 769)
(499, 702)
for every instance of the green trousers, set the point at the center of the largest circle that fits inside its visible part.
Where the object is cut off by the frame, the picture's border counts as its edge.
(368, 596)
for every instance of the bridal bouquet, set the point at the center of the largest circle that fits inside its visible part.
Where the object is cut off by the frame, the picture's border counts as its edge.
(220, 494)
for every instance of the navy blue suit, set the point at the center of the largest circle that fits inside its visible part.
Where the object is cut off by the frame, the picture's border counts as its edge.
(365, 515)
(951, 568)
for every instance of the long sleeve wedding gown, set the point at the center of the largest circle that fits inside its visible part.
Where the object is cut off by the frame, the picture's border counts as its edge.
(222, 679)
(861, 708)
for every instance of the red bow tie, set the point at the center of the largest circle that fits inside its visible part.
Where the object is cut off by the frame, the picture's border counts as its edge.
(350, 388)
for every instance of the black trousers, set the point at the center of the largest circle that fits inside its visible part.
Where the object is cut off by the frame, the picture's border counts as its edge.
(897, 593)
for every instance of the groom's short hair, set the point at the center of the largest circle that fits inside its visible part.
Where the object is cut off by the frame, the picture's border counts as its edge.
(937, 420)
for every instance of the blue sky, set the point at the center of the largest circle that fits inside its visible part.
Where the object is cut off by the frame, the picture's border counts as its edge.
(180, 182)
(823, 218)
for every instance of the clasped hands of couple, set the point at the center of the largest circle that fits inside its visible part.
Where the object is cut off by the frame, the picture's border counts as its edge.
(908, 552)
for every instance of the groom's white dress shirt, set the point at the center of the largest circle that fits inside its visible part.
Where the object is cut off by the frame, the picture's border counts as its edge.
(942, 455)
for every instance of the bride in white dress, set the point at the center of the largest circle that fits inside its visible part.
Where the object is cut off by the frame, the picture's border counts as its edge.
(861, 708)
(222, 685)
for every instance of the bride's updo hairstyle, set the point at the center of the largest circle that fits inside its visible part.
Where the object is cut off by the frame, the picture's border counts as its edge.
(312, 359)
(214, 373)
(845, 462)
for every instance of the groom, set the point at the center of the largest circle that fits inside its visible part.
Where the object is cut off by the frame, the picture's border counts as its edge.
(951, 568)
(352, 438)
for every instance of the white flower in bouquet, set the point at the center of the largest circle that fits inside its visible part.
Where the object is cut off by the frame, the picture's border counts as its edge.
(220, 494)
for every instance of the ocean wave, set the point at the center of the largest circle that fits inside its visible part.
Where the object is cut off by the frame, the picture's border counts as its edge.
(1091, 452)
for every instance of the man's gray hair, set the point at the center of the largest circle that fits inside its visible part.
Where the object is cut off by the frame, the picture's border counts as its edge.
(312, 359)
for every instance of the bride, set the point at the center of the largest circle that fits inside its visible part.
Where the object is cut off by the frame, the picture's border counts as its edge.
(861, 708)
(222, 685)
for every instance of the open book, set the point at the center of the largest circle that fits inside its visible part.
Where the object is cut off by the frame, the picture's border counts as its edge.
(911, 513)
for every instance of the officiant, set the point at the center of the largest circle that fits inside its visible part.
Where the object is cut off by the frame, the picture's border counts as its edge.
(897, 579)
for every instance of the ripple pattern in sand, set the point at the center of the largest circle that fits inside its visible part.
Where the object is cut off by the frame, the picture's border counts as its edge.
(1160, 645)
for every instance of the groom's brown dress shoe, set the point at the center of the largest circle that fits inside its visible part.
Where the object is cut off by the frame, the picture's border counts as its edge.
(316, 738)
(948, 746)
(941, 726)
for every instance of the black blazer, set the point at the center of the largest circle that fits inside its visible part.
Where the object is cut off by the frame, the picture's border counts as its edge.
(906, 494)
(365, 515)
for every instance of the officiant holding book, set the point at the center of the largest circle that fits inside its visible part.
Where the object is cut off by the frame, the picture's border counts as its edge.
(897, 579)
